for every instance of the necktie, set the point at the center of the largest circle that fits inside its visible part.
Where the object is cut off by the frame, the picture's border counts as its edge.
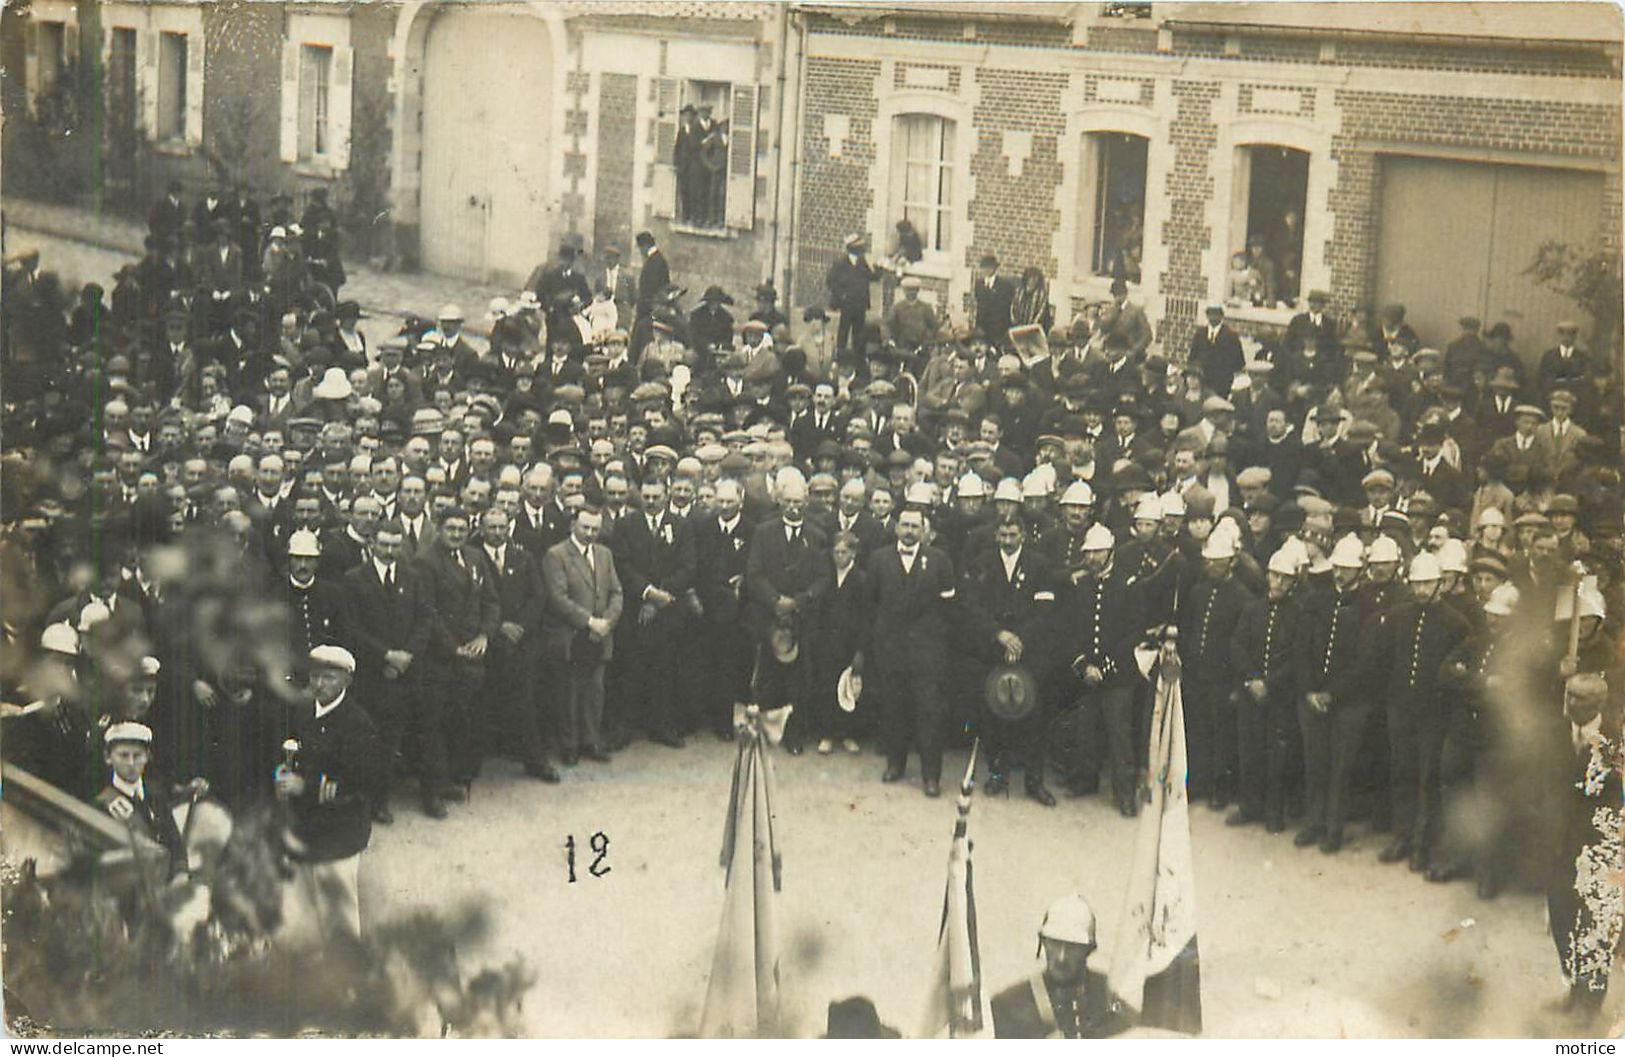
(461, 563)
(389, 578)
(412, 534)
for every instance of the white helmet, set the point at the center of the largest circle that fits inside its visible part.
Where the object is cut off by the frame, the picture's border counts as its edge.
(971, 486)
(1424, 569)
(1098, 538)
(1219, 545)
(1149, 508)
(1285, 562)
(1007, 490)
(1348, 553)
(1069, 920)
(1502, 601)
(1039, 483)
(1173, 504)
(1383, 549)
(59, 638)
(1452, 555)
(1078, 493)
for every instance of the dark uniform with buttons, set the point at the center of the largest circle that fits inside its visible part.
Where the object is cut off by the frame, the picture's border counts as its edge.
(1269, 646)
(1339, 625)
(1207, 619)
(1102, 621)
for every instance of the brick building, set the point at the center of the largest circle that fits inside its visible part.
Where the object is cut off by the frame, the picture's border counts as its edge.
(1425, 150)
(1417, 153)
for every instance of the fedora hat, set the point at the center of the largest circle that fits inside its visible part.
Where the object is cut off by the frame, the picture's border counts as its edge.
(1012, 692)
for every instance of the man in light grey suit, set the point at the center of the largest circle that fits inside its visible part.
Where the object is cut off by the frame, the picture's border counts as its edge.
(583, 606)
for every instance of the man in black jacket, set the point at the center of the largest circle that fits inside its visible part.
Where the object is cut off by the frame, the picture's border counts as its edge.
(1267, 652)
(389, 621)
(516, 682)
(654, 555)
(1216, 351)
(334, 763)
(653, 278)
(1010, 610)
(912, 589)
(849, 278)
(1413, 645)
(464, 614)
(994, 295)
(721, 543)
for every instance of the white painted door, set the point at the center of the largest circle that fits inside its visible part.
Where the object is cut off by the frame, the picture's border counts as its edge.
(487, 97)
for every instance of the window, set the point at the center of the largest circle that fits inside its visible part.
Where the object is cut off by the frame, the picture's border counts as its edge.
(315, 86)
(1271, 190)
(705, 154)
(1111, 210)
(121, 82)
(701, 154)
(923, 177)
(172, 86)
(52, 54)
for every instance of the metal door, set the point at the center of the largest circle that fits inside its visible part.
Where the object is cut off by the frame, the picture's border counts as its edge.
(486, 100)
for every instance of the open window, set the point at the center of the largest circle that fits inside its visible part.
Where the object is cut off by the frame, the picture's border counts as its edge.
(318, 67)
(1111, 206)
(922, 177)
(122, 92)
(705, 153)
(1268, 199)
(51, 48)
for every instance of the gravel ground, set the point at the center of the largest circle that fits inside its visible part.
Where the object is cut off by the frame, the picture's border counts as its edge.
(1294, 943)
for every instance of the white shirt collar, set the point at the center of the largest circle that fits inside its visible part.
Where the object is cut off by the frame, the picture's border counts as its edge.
(1010, 562)
(728, 524)
(382, 569)
(137, 790)
(323, 710)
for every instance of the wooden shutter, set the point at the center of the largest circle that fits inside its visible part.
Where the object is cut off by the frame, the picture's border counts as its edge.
(741, 202)
(194, 88)
(667, 96)
(289, 130)
(31, 60)
(339, 100)
(147, 80)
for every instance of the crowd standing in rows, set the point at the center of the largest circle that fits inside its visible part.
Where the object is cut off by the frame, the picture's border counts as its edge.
(1393, 569)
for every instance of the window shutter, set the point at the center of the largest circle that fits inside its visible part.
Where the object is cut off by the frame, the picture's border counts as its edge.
(147, 81)
(741, 203)
(339, 96)
(194, 88)
(290, 102)
(1241, 186)
(665, 175)
(308, 68)
(70, 45)
(31, 60)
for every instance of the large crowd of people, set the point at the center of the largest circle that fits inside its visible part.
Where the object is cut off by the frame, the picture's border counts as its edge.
(1393, 570)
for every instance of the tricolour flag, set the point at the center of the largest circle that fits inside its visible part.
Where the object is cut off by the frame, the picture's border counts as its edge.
(743, 999)
(955, 998)
(1155, 968)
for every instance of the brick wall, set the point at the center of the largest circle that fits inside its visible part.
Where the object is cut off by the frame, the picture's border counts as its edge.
(617, 134)
(1190, 186)
(1014, 213)
(836, 193)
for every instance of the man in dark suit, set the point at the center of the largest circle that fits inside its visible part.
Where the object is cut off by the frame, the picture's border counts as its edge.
(653, 277)
(1565, 364)
(994, 295)
(852, 515)
(464, 614)
(584, 600)
(848, 281)
(787, 572)
(1216, 352)
(1412, 645)
(1009, 606)
(721, 543)
(1315, 328)
(1437, 477)
(514, 667)
(654, 555)
(389, 621)
(1125, 322)
(166, 221)
(329, 783)
(912, 590)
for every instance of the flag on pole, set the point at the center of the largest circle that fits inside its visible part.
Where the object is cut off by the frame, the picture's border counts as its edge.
(955, 999)
(742, 1000)
(1155, 968)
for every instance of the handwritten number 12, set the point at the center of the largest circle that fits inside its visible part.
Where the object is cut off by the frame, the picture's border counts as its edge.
(599, 843)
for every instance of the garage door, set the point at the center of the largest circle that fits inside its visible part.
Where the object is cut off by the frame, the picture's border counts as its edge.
(1456, 238)
(487, 87)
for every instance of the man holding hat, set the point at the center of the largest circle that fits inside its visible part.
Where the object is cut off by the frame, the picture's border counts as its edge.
(332, 765)
(1063, 999)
